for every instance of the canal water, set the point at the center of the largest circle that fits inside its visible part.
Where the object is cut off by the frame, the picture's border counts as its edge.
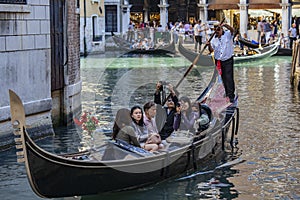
(265, 166)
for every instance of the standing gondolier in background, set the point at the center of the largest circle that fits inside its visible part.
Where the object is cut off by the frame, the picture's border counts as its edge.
(222, 46)
(292, 35)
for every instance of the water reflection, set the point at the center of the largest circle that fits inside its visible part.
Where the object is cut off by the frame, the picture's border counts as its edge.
(269, 129)
(268, 135)
(210, 184)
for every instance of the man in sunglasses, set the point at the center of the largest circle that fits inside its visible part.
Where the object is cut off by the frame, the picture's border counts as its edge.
(165, 115)
(222, 46)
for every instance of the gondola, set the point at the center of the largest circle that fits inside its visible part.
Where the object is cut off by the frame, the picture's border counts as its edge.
(265, 52)
(284, 52)
(206, 60)
(117, 166)
(126, 46)
(250, 44)
(280, 52)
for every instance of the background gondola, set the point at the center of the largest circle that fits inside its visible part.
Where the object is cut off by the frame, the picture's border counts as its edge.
(126, 46)
(206, 60)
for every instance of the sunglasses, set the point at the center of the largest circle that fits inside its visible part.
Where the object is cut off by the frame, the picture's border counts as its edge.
(170, 100)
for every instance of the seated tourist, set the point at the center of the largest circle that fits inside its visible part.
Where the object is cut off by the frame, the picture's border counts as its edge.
(122, 129)
(177, 117)
(203, 121)
(188, 117)
(168, 114)
(195, 109)
(141, 130)
(149, 118)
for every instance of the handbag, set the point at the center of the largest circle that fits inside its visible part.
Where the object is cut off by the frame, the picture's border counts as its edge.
(154, 138)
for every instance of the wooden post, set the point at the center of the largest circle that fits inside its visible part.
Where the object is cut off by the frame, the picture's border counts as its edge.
(295, 71)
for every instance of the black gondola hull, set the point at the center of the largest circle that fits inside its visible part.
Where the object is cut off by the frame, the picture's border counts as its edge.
(53, 176)
(284, 52)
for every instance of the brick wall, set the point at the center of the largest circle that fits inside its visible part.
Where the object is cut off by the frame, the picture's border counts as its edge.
(73, 43)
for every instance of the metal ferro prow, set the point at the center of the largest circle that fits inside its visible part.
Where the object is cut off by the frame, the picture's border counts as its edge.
(18, 122)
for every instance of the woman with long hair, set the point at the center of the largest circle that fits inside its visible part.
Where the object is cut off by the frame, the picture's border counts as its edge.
(188, 117)
(122, 129)
(141, 130)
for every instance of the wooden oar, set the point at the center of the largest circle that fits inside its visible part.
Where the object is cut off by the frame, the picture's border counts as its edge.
(194, 63)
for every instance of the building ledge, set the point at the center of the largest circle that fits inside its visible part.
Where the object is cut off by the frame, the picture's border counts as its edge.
(5, 8)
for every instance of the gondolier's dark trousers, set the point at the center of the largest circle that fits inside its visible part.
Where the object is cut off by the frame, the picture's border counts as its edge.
(228, 77)
(292, 39)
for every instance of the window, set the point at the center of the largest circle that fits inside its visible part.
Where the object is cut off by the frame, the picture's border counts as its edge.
(95, 1)
(111, 18)
(95, 29)
(13, 1)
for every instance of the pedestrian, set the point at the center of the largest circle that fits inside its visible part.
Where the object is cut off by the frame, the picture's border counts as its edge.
(130, 32)
(275, 27)
(222, 46)
(259, 30)
(284, 41)
(267, 30)
(198, 35)
(175, 31)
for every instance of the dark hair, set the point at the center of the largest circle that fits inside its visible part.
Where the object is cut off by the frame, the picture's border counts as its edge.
(148, 105)
(186, 99)
(141, 122)
(122, 117)
(195, 104)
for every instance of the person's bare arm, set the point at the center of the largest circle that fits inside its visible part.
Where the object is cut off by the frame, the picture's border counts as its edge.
(230, 28)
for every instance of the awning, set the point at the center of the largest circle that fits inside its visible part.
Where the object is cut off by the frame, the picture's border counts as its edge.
(259, 13)
(266, 4)
(233, 4)
(223, 4)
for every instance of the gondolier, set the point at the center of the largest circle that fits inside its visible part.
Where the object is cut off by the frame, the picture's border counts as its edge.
(222, 46)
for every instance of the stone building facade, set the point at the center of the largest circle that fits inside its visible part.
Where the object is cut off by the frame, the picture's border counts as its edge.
(164, 11)
(92, 27)
(40, 61)
(25, 62)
